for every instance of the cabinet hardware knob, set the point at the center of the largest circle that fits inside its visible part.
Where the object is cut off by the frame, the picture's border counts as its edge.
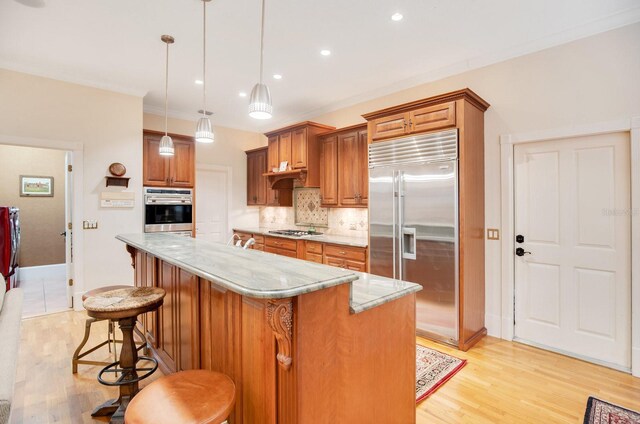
(343, 253)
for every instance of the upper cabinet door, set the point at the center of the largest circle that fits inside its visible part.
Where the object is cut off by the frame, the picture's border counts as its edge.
(284, 148)
(389, 126)
(182, 164)
(155, 168)
(273, 159)
(299, 148)
(348, 172)
(363, 168)
(433, 117)
(329, 171)
(256, 182)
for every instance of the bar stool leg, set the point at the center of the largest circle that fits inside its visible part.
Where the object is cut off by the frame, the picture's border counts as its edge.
(76, 354)
(128, 360)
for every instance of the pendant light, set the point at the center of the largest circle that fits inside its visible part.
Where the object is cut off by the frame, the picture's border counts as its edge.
(166, 144)
(204, 134)
(260, 101)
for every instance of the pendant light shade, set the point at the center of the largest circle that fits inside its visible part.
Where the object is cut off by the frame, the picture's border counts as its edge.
(204, 134)
(260, 102)
(166, 144)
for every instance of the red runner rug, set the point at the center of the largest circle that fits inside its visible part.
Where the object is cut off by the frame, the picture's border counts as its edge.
(601, 412)
(433, 369)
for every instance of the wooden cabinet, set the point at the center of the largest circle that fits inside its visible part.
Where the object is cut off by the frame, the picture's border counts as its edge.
(168, 171)
(177, 325)
(258, 191)
(329, 171)
(281, 246)
(464, 111)
(256, 183)
(413, 118)
(299, 148)
(299, 145)
(344, 168)
(347, 257)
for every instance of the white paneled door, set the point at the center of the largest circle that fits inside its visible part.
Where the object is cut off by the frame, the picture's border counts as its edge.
(573, 272)
(211, 203)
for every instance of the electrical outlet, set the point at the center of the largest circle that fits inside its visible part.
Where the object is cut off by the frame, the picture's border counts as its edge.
(89, 225)
(493, 234)
(353, 227)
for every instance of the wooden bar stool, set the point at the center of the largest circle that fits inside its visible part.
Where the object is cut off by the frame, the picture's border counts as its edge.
(124, 305)
(186, 397)
(111, 335)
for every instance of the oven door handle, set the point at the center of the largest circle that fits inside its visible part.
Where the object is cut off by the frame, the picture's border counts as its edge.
(168, 202)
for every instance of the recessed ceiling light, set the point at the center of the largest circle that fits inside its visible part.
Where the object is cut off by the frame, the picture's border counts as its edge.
(242, 94)
(325, 52)
(277, 76)
(199, 82)
(397, 17)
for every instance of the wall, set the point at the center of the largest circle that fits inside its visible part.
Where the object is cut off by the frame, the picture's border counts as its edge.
(595, 79)
(41, 218)
(108, 127)
(227, 150)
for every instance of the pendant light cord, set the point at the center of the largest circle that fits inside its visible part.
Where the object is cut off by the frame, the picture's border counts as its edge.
(166, 92)
(204, 59)
(261, 40)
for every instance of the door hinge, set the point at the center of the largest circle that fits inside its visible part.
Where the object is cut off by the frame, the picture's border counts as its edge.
(70, 226)
(70, 282)
(71, 302)
(69, 168)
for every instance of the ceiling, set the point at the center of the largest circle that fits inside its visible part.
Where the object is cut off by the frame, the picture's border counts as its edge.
(115, 44)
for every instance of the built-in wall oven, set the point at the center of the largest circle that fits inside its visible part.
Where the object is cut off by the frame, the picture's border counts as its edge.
(168, 210)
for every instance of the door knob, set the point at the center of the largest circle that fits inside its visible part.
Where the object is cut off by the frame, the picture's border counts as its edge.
(519, 238)
(521, 252)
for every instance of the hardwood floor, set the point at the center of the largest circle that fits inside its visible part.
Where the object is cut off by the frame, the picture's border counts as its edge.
(46, 391)
(503, 382)
(506, 382)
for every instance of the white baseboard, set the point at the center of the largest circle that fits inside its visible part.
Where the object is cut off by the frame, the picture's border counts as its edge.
(635, 361)
(493, 324)
(44, 272)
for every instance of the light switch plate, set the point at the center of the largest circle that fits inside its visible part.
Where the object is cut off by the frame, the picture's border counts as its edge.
(89, 225)
(493, 234)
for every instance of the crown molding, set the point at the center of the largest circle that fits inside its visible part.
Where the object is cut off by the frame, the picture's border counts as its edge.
(72, 79)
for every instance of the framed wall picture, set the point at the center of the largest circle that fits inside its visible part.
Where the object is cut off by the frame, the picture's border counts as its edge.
(33, 186)
(283, 165)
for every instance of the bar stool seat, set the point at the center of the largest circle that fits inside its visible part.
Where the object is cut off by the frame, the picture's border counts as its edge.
(186, 397)
(111, 337)
(124, 305)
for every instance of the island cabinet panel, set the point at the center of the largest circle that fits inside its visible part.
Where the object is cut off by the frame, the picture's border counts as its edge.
(150, 317)
(178, 320)
(167, 326)
(302, 359)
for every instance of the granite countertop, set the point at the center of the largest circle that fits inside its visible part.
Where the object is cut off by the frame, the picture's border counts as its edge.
(258, 274)
(324, 238)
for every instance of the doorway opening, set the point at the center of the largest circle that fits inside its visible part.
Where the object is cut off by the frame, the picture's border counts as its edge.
(212, 202)
(38, 182)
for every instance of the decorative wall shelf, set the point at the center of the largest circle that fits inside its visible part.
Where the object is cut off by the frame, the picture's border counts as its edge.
(117, 181)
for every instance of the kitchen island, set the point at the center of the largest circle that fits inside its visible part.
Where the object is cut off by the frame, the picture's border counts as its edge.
(303, 342)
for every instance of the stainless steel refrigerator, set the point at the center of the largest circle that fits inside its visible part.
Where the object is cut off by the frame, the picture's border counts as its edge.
(413, 224)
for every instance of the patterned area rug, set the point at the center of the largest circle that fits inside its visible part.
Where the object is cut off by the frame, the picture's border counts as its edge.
(433, 369)
(601, 412)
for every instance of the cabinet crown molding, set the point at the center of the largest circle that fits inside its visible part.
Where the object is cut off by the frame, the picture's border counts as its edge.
(299, 125)
(466, 94)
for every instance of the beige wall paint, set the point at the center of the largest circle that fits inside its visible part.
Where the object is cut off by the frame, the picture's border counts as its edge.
(595, 79)
(109, 127)
(227, 150)
(41, 218)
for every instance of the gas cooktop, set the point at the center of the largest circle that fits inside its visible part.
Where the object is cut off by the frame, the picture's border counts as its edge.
(295, 233)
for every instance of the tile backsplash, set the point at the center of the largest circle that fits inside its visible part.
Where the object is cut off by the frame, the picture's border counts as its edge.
(352, 222)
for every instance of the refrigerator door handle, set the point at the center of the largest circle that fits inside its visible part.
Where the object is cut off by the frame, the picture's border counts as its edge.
(394, 213)
(409, 243)
(400, 223)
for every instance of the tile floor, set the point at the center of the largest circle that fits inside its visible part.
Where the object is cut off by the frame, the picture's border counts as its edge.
(43, 296)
